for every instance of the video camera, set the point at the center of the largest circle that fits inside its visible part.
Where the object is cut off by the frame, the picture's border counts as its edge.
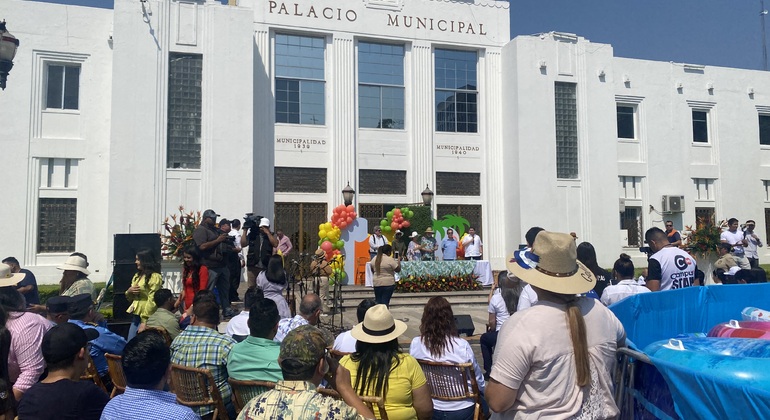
(646, 250)
(251, 221)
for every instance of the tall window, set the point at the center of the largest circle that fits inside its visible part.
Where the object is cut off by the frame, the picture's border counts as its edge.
(566, 131)
(62, 86)
(764, 129)
(626, 115)
(380, 85)
(185, 103)
(57, 205)
(456, 91)
(704, 189)
(631, 222)
(299, 80)
(700, 126)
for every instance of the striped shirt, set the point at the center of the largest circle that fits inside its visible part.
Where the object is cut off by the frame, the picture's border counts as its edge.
(203, 347)
(147, 404)
(25, 359)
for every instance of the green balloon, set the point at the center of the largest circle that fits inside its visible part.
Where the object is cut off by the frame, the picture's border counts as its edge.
(404, 210)
(340, 244)
(411, 213)
(387, 229)
(389, 214)
(383, 222)
(321, 241)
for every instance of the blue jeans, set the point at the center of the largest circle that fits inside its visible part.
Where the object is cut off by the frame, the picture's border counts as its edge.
(487, 342)
(382, 294)
(135, 321)
(219, 277)
(464, 414)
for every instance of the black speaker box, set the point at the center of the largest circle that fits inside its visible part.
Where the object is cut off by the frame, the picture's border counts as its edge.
(464, 325)
(126, 245)
(119, 306)
(121, 277)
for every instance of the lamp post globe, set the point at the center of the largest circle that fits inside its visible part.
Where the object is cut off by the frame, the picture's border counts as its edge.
(347, 194)
(427, 196)
(8, 46)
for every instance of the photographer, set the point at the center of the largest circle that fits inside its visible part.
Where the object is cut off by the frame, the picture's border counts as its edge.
(669, 267)
(213, 245)
(260, 242)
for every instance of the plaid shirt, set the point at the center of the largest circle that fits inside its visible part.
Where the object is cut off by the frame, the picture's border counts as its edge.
(287, 324)
(203, 347)
(147, 404)
(80, 287)
(296, 400)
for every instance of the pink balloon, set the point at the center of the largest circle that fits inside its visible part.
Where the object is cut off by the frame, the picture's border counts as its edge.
(349, 220)
(397, 212)
(405, 224)
(350, 209)
(353, 215)
(327, 246)
(394, 225)
(343, 214)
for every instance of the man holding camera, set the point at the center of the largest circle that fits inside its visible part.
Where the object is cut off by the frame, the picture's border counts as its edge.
(260, 242)
(669, 267)
(213, 244)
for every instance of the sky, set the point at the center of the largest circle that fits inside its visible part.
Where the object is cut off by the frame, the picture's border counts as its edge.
(724, 33)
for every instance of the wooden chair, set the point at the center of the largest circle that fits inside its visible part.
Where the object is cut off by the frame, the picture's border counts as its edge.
(116, 374)
(196, 388)
(370, 401)
(361, 270)
(452, 382)
(91, 374)
(245, 391)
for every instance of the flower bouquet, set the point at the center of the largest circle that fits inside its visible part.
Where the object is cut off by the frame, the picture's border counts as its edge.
(430, 283)
(177, 233)
(704, 239)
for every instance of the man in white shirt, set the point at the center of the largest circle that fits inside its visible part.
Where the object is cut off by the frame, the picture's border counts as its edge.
(238, 326)
(752, 241)
(473, 246)
(345, 343)
(734, 237)
(376, 240)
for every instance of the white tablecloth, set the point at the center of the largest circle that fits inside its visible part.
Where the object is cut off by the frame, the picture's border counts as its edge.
(482, 269)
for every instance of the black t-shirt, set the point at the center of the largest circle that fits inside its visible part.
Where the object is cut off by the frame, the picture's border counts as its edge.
(32, 297)
(260, 249)
(603, 279)
(63, 399)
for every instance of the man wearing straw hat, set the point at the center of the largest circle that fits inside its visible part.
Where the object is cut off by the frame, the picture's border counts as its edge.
(74, 279)
(429, 245)
(560, 353)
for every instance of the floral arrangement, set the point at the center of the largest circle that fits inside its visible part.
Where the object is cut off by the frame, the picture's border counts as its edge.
(704, 239)
(177, 233)
(448, 283)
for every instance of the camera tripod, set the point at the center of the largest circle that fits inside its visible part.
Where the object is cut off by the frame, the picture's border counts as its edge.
(304, 279)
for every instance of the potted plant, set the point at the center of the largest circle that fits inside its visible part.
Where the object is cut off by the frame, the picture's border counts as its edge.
(702, 241)
(176, 234)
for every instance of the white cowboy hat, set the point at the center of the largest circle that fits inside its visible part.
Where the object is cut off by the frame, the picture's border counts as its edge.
(378, 326)
(7, 278)
(414, 235)
(75, 263)
(552, 265)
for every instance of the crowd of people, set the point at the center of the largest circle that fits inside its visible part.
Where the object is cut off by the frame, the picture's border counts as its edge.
(426, 247)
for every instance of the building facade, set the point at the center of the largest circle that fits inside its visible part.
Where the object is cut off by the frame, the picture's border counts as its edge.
(117, 114)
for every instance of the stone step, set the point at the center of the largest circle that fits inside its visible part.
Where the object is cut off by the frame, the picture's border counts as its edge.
(351, 298)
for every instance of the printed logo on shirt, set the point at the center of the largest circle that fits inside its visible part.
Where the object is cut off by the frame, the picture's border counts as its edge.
(681, 262)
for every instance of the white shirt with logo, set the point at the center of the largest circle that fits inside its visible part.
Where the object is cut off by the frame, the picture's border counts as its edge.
(733, 238)
(677, 268)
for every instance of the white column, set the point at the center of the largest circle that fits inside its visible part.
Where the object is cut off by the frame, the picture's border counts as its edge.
(422, 118)
(342, 110)
(494, 217)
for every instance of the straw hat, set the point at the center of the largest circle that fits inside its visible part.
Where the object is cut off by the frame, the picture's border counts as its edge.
(552, 265)
(378, 326)
(429, 230)
(75, 263)
(7, 278)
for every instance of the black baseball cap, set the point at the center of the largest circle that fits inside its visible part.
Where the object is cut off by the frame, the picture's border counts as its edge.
(58, 304)
(64, 341)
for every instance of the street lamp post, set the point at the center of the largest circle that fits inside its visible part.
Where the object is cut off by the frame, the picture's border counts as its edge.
(427, 196)
(347, 194)
(8, 46)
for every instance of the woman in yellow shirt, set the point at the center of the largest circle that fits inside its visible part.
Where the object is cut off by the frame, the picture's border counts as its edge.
(379, 368)
(145, 283)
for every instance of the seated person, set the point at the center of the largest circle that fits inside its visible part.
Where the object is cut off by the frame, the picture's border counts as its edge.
(165, 317)
(256, 358)
(303, 365)
(81, 311)
(56, 309)
(345, 342)
(309, 313)
(62, 395)
(147, 366)
(623, 270)
(238, 326)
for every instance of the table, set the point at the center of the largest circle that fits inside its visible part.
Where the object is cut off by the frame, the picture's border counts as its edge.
(480, 268)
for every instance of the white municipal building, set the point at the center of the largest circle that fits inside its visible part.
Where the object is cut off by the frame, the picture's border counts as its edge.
(117, 113)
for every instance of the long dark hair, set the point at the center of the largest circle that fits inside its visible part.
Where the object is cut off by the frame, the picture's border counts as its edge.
(7, 400)
(510, 290)
(624, 267)
(375, 362)
(587, 255)
(194, 270)
(275, 272)
(383, 250)
(150, 265)
(437, 326)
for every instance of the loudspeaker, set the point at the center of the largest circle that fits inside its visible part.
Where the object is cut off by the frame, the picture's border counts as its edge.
(464, 325)
(119, 306)
(126, 245)
(121, 277)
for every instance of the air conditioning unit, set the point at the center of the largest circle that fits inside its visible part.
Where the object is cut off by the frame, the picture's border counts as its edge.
(673, 204)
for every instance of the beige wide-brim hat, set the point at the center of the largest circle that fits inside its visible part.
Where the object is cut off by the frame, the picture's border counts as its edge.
(8, 278)
(552, 265)
(429, 230)
(378, 326)
(75, 263)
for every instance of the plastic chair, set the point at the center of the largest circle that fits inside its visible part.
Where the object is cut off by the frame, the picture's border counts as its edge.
(245, 391)
(196, 388)
(452, 382)
(91, 374)
(115, 366)
(361, 270)
(370, 401)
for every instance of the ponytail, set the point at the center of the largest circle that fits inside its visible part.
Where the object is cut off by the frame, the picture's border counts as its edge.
(577, 332)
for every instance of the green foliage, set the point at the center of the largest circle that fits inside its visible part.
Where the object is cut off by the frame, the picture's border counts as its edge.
(420, 221)
(704, 239)
(429, 283)
(47, 290)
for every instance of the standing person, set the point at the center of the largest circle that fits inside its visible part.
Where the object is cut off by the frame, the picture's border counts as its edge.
(261, 243)
(587, 255)
(273, 282)
(734, 237)
(528, 296)
(379, 368)
(399, 246)
(449, 246)
(62, 395)
(236, 233)
(473, 246)
(752, 242)
(559, 354)
(376, 240)
(7, 400)
(28, 286)
(674, 238)
(384, 279)
(501, 306)
(669, 267)
(74, 279)
(429, 246)
(439, 342)
(623, 270)
(321, 269)
(141, 294)
(284, 243)
(195, 277)
(232, 262)
(414, 251)
(210, 242)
